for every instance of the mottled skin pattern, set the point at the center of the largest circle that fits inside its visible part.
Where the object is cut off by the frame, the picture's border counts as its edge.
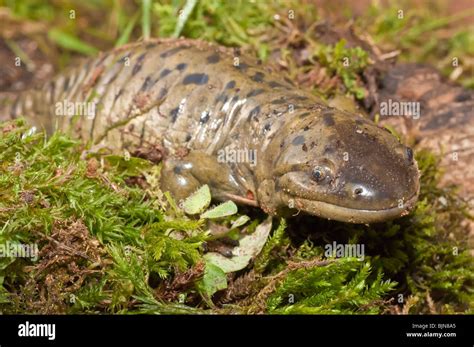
(194, 99)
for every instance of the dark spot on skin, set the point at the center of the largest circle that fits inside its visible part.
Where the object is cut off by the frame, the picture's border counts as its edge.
(124, 58)
(222, 98)
(165, 73)
(254, 113)
(274, 84)
(181, 66)
(188, 138)
(101, 60)
(147, 84)
(212, 59)
(327, 150)
(300, 97)
(304, 147)
(113, 77)
(409, 155)
(282, 144)
(196, 78)
(118, 94)
(162, 93)
(298, 140)
(255, 92)
(287, 80)
(312, 145)
(139, 64)
(258, 77)
(177, 169)
(303, 115)
(267, 127)
(306, 128)
(142, 133)
(230, 85)
(279, 101)
(328, 120)
(52, 88)
(174, 114)
(66, 84)
(464, 96)
(171, 52)
(242, 67)
(204, 118)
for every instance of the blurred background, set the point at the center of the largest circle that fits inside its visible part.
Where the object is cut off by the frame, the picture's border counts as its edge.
(47, 35)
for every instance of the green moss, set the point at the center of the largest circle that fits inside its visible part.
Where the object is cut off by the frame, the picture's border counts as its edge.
(339, 287)
(347, 63)
(44, 182)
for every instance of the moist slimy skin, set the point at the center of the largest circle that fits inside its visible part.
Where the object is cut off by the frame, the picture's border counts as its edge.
(232, 123)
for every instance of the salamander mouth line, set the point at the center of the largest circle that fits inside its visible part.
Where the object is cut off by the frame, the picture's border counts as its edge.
(354, 215)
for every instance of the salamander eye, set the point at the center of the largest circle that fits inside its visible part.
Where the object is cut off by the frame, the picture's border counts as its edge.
(318, 174)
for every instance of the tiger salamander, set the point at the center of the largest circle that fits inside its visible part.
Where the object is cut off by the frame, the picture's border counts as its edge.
(233, 123)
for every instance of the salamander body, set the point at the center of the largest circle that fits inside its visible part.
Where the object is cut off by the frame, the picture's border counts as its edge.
(233, 123)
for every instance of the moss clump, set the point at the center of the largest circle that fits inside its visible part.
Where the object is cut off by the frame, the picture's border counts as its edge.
(51, 199)
(347, 63)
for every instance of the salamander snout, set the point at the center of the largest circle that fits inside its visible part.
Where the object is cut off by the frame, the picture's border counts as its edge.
(346, 168)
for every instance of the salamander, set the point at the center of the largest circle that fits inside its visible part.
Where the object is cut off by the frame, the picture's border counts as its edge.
(234, 123)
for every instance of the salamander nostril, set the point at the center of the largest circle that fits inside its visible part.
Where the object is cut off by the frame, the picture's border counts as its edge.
(358, 191)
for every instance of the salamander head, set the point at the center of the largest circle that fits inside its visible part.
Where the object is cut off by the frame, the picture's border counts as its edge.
(343, 167)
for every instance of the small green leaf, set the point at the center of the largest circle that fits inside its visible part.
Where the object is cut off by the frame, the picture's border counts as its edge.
(225, 209)
(214, 279)
(184, 16)
(240, 221)
(71, 42)
(198, 201)
(249, 247)
(125, 36)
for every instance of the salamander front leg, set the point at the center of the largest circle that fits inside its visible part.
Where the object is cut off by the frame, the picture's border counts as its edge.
(182, 177)
(177, 178)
